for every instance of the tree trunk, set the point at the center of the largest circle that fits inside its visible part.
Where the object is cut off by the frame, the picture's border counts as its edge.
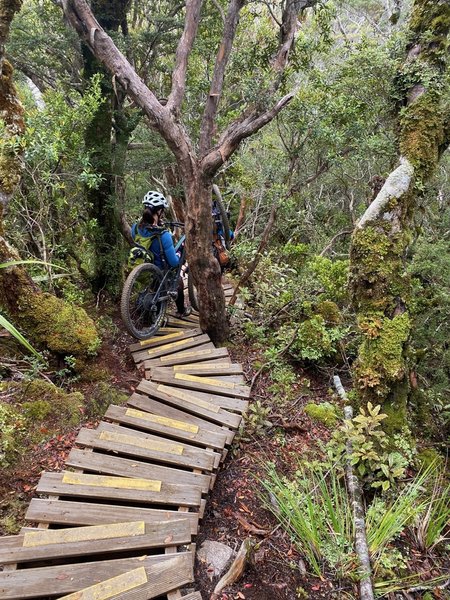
(45, 319)
(379, 286)
(108, 242)
(202, 263)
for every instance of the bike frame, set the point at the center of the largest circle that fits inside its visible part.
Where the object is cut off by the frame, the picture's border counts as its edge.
(163, 292)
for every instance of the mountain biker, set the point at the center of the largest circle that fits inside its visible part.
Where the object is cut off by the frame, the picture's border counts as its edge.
(162, 247)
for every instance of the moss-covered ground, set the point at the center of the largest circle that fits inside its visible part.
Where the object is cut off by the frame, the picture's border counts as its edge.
(42, 408)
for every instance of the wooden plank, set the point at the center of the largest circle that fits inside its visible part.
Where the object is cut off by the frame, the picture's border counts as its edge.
(182, 323)
(157, 448)
(225, 402)
(66, 512)
(55, 484)
(164, 339)
(111, 464)
(166, 330)
(137, 584)
(174, 428)
(192, 318)
(188, 402)
(201, 384)
(131, 445)
(93, 540)
(170, 348)
(65, 579)
(192, 596)
(146, 403)
(205, 352)
(214, 368)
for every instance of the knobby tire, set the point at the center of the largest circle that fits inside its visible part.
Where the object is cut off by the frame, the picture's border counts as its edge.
(139, 322)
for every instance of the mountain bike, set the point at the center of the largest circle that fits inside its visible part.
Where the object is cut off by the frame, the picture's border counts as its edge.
(147, 292)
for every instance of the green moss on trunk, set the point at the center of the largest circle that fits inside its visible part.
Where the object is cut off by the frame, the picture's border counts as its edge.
(379, 286)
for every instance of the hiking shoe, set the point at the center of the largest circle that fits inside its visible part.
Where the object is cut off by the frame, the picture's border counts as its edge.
(187, 311)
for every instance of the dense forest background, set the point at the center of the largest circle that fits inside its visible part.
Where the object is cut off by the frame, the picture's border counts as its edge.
(325, 125)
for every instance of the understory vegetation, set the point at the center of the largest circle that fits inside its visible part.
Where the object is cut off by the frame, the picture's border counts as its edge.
(333, 288)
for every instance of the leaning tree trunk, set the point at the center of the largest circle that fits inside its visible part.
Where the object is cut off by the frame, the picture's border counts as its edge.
(379, 285)
(204, 267)
(45, 319)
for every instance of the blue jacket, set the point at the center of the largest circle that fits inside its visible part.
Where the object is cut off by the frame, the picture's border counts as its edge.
(155, 247)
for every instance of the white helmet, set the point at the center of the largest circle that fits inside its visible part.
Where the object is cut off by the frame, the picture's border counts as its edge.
(155, 200)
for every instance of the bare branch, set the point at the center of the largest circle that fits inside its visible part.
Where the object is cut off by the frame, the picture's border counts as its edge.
(193, 8)
(215, 92)
(238, 131)
(258, 255)
(80, 17)
(288, 29)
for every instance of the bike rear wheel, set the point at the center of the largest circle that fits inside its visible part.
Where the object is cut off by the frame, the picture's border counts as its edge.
(142, 316)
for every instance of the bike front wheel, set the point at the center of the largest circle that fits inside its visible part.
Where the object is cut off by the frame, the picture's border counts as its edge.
(142, 312)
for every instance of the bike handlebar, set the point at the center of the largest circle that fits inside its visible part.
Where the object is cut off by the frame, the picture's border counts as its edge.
(174, 223)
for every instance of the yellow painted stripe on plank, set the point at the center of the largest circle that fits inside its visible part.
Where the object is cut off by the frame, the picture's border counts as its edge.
(205, 380)
(177, 393)
(83, 534)
(139, 442)
(204, 367)
(128, 483)
(139, 414)
(186, 354)
(161, 338)
(167, 346)
(111, 587)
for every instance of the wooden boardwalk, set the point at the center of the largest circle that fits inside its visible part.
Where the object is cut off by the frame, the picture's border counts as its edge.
(121, 521)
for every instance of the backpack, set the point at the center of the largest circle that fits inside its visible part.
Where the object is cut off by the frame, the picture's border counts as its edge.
(141, 253)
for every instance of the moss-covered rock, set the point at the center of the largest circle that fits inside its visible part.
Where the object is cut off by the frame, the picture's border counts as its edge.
(62, 327)
(324, 413)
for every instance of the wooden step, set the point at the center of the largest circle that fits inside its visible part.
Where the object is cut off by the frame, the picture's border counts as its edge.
(66, 512)
(216, 400)
(111, 464)
(23, 584)
(201, 384)
(189, 402)
(127, 442)
(50, 544)
(208, 369)
(164, 339)
(166, 426)
(201, 456)
(182, 323)
(170, 348)
(132, 491)
(152, 405)
(205, 352)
